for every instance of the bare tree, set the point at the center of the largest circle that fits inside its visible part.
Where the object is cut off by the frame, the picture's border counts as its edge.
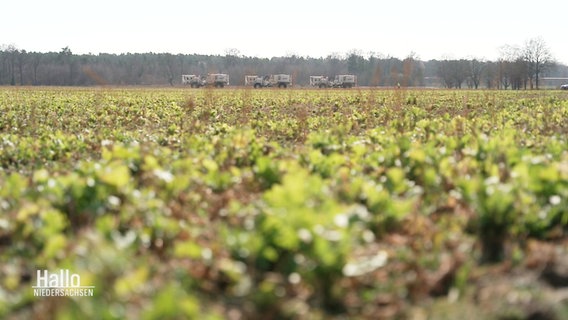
(169, 62)
(491, 75)
(504, 73)
(231, 57)
(537, 57)
(36, 60)
(476, 68)
(508, 62)
(66, 58)
(445, 73)
(408, 65)
(9, 62)
(355, 61)
(334, 63)
(518, 74)
(21, 59)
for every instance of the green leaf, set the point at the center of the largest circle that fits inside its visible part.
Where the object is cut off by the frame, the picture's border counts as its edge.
(55, 245)
(131, 282)
(115, 174)
(396, 179)
(187, 249)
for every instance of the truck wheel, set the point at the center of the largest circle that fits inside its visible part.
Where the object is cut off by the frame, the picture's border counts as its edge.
(257, 85)
(322, 86)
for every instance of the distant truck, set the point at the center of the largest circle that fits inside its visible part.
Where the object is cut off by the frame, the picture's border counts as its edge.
(218, 80)
(272, 80)
(340, 81)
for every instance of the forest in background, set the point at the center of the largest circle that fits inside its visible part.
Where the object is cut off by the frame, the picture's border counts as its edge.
(530, 67)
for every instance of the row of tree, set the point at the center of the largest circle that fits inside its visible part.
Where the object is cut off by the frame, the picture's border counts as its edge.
(517, 68)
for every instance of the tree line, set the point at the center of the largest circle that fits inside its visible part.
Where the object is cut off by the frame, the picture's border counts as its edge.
(517, 68)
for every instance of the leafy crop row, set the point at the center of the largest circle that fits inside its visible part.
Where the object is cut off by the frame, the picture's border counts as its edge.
(275, 204)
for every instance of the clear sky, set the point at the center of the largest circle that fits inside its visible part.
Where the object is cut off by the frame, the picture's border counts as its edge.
(433, 29)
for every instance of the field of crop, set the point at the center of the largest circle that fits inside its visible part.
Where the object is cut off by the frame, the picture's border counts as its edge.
(285, 204)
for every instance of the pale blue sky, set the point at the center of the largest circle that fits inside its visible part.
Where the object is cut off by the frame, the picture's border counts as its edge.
(431, 29)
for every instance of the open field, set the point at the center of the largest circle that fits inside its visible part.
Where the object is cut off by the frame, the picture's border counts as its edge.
(285, 204)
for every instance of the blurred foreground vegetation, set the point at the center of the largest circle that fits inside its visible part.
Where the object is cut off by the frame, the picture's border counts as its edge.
(297, 204)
